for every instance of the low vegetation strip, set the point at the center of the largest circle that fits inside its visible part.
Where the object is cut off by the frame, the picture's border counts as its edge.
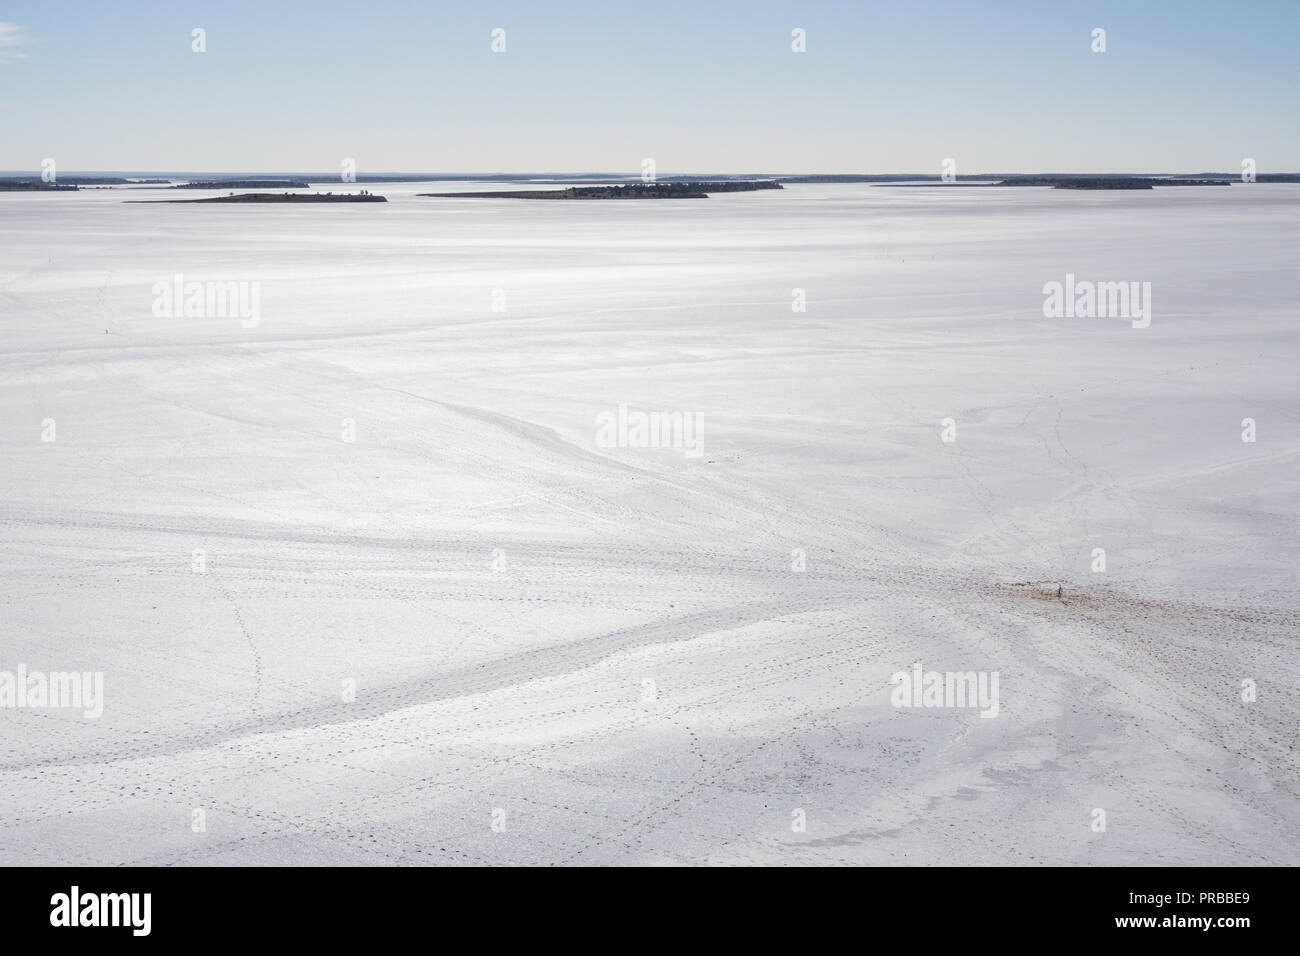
(278, 197)
(670, 190)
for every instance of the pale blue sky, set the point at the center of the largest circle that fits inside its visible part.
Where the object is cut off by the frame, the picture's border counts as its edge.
(701, 87)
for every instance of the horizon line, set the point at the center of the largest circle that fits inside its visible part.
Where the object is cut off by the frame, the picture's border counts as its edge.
(175, 173)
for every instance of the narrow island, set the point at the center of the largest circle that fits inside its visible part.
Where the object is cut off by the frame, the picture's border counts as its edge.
(243, 184)
(34, 186)
(362, 196)
(1108, 182)
(12, 184)
(667, 190)
(1065, 182)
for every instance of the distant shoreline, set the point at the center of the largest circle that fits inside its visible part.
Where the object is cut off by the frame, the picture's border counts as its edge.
(1069, 182)
(625, 192)
(242, 184)
(274, 198)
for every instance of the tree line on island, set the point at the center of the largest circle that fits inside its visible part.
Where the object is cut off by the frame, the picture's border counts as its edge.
(665, 190)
